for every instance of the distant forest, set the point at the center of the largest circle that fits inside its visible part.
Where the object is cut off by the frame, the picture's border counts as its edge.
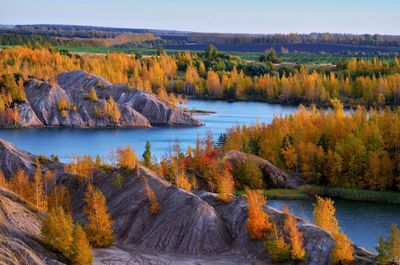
(181, 37)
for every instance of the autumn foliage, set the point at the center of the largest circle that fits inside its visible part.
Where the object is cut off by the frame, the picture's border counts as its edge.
(258, 224)
(324, 217)
(295, 236)
(127, 158)
(98, 229)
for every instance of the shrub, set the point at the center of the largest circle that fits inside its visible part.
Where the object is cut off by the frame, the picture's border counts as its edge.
(62, 104)
(343, 252)
(278, 249)
(57, 230)
(92, 95)
(389, 249)
(81, 252)
(127, 158)
(324, 215)
(182, 181)
(295, 236)
(250, 175)
(98, 229)
(154, 207)
(225, 185)
(258, 224)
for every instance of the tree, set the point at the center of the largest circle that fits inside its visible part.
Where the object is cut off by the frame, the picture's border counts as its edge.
(3, 180)
(211, 52)
(295, 236)
(60, 197)
(277, 248)
(57, 230)
(20, 184)
(147, 154)
(98, 229)
(270, 55)
(258, 224)
(250, 174)
(225, 185)
(92, 94)
(343, 252)
(81, 252)
(40, 196)
(324, 215)
(126, 158)
(389, 249)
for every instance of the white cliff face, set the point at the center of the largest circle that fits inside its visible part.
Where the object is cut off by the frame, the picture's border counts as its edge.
(137, 108)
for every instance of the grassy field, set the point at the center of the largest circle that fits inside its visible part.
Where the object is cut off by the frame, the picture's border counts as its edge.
(293, 57)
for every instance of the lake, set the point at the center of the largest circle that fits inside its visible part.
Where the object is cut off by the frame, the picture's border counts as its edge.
(66, 142)
(362, 222)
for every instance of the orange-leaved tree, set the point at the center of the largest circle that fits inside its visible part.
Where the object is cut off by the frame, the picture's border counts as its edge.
(295, 236)
(258, 224)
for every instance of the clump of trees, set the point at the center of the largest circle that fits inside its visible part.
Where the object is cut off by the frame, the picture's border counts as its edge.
(351, 150)
(59, 233)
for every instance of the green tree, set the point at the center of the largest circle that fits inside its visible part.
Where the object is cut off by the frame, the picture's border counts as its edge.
(147, 154)
(250, 174)
(211, 52)
(389, 249)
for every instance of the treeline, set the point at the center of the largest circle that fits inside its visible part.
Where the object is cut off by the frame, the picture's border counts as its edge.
(206, 75)
(357, 150)
(35, 40)
(327, 38)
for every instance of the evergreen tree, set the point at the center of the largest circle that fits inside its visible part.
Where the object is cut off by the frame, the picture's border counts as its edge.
(389, 249)
(147, 154)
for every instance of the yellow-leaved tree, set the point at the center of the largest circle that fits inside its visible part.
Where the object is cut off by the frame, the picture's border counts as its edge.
(295, 236)
(57, 230)
(81, 252)
(99, 231)
(324, 217)
(127, 158)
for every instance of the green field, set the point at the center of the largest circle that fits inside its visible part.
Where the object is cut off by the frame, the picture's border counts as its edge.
(293, 57)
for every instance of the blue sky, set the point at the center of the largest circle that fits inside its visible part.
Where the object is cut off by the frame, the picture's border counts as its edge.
(249, 16)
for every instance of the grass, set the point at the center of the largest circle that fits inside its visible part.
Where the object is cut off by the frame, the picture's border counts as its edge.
(308, 192)
(353, 194)
(292, 57)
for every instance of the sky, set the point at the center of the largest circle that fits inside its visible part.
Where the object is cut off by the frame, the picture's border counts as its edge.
(234, 16)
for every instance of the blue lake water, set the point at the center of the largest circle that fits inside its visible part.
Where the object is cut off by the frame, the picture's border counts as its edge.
(67, 142)
(362, 222)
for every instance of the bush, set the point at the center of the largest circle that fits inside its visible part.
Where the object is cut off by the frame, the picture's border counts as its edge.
(57, 230)
(250, 175)
(127, 158)
(278, 249)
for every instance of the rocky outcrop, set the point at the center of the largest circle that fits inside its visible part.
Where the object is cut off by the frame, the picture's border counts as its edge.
(20, 233)
(273, 176)
(190, 227)
(137, 108)
(12, 159)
